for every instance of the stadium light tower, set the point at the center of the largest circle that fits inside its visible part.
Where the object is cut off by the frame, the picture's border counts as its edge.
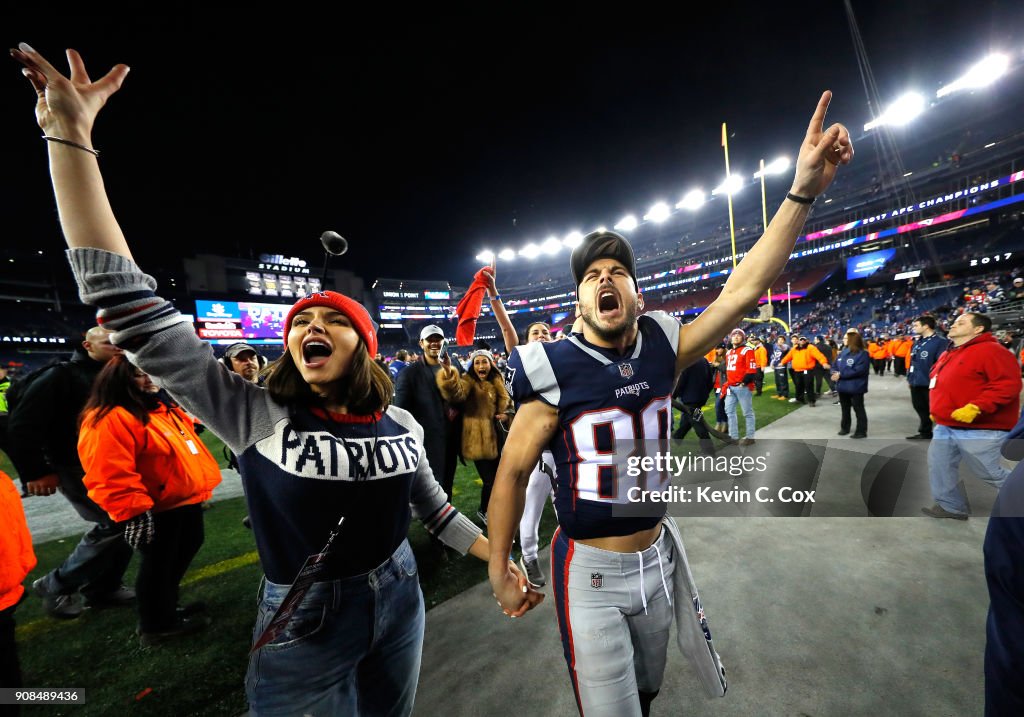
(507, 255)
(730, 185)
(530, 251)
(692, 200)
(981, 74)
(658, 213)
(902, 111)
(485, 257)
(573, 239)
(551, 246)
(776, 166)
(628, 223)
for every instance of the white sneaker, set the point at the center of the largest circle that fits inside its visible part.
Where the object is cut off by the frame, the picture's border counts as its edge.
(792, 400)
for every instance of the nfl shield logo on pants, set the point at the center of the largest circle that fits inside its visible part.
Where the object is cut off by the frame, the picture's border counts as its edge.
(626, 370)
(596, 580)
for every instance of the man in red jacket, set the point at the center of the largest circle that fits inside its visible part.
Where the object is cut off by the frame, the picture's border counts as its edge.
(740, 375)
(975, 401)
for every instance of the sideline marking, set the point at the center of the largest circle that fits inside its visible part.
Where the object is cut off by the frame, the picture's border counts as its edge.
(43, 625)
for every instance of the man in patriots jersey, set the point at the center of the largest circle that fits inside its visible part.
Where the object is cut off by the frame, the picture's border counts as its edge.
(740, 375)
(592, 398)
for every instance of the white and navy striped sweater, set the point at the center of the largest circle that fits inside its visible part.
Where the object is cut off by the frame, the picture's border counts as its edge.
(301, 468)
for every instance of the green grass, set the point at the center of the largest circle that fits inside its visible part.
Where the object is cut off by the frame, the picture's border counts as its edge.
(203, 675)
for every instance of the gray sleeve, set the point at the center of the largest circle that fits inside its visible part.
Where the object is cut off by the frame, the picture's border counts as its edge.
(538, 371)
(670, 325)
(428, 501)
(160, 341)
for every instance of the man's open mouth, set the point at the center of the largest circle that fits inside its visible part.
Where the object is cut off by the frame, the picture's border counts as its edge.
(607, 302)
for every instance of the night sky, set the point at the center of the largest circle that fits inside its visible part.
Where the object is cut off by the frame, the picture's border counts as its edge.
(425, 137)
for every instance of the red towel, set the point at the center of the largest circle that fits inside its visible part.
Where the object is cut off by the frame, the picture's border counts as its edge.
(468, 310)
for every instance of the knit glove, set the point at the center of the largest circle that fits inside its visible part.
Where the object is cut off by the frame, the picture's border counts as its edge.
(966, 414)
(139, 531)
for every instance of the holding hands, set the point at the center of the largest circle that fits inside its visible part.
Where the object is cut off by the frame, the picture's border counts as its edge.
(514, 593)
(66, 107)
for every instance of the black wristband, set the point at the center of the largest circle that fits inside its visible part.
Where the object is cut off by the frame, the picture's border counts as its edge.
(798, 199)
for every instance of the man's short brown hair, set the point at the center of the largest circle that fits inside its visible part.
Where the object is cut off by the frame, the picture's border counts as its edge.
(980, 320)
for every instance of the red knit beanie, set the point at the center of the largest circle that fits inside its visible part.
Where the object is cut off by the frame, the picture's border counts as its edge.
(360, 318)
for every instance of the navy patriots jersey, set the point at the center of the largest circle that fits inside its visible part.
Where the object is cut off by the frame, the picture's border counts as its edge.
(609, 407)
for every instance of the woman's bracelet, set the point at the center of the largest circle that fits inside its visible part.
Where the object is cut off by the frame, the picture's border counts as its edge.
(496, 297)
(69, 143)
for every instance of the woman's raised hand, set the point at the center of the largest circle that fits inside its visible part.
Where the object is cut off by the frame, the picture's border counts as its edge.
(66, 107)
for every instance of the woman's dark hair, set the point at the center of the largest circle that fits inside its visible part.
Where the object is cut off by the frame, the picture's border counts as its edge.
(115, 386)
(491, 375)
(366, 389)
(854, 342)
(526, 331)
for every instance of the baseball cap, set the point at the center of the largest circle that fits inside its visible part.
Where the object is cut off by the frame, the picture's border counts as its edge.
(602, 245)
(431, 330)
(233, 350)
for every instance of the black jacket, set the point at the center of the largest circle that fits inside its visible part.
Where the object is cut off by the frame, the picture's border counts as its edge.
(417, 392)
(695, 384)
(43, 429)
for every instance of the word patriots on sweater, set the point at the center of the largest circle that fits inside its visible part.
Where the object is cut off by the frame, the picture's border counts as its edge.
(318, 454)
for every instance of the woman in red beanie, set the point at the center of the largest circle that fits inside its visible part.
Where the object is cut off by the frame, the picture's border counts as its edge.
(332, 473)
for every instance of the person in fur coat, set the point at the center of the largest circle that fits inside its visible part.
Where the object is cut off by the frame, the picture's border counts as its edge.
(481, 393)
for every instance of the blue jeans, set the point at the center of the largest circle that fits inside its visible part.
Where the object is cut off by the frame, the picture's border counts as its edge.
(96, 566)
(353, 647)
(740, 395)
(981, 451)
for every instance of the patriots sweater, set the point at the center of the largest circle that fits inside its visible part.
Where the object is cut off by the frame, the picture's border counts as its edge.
(301, 468)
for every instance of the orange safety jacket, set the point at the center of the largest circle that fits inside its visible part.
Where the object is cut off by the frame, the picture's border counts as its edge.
(804, 359)
(876, 350)
(131, 468)
(16, 555)
(901, 349)
(761, 356)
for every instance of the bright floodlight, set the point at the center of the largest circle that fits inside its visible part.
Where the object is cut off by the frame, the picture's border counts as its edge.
(601, 228)
(573, 239)
(551, 246)
(658, 213)
(777, 166)
(981, 74)
(900, 112)
(530, 251)
(692, 200)
(506, 255)
(627, 223)
(732, 184)
(485, 256)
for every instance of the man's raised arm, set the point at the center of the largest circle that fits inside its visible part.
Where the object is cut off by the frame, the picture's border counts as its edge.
(821, 152)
